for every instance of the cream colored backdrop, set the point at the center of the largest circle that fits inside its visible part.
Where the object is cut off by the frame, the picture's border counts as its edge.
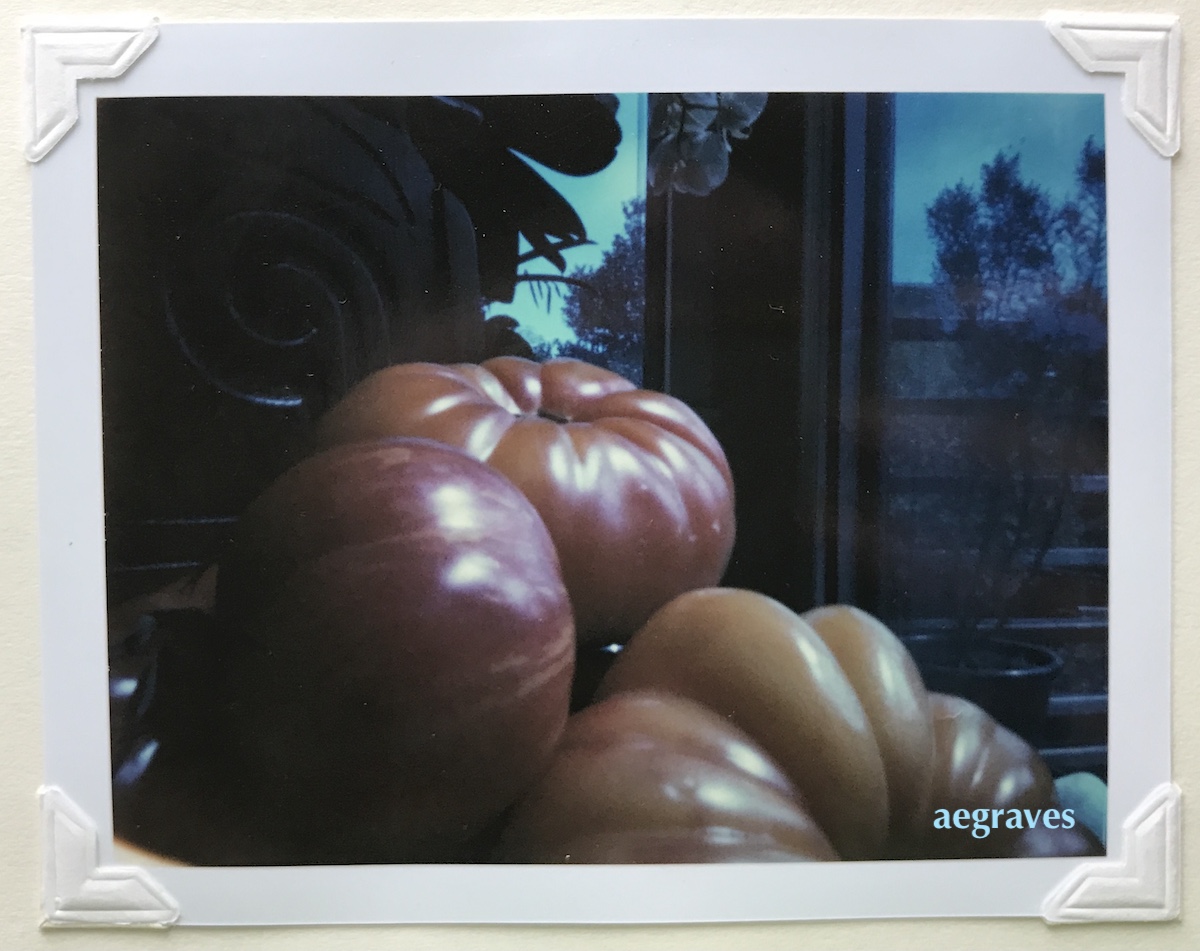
(20, 690)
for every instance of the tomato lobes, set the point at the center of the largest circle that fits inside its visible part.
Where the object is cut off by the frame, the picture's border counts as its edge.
(893, 697)
(646, 777)
(753, 661)
(980, 764)
(633, 488)
(400, 615)
(403, 648)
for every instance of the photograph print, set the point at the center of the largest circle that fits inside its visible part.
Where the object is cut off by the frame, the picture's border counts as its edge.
(605, 479)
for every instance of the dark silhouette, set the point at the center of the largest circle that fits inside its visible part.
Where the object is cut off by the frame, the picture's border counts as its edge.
(606, 305)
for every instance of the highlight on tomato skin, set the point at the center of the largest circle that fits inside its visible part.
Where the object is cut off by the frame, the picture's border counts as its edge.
(644, 777)
(979, 764)
(401, 649)
(834, 698)
(752, 660)
(635, 490)
(893, 695)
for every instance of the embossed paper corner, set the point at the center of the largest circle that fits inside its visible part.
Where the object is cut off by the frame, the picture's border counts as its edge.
(1145, 47)
(1141, 885)
(57, 57)
(77, 890)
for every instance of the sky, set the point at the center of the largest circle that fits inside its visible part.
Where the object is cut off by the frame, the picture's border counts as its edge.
(944, 138)
(941, 139)
(599, 200)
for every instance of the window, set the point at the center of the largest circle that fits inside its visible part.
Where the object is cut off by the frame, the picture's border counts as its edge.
(993, 518)
(943, 433)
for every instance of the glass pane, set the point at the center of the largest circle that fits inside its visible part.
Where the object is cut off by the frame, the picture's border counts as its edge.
(994, 448)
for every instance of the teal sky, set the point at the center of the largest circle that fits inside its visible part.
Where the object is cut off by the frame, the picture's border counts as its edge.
(941, 139)
(599, 199)
(944, 138)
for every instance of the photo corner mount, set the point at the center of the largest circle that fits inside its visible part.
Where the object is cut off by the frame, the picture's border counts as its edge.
(1145, 47)
(57, 57)
(77, 890)
(1143, 884)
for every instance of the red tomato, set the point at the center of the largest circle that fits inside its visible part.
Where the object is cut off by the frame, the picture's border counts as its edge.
(753, 661)
(978, 764)
(889, 687)
(834, 698)
(403, 653)
(633, 487)
(643, 777)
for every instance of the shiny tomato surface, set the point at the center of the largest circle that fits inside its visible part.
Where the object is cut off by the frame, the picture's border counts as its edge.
(645, 777)
(979, 764)
(634, 488)
(890, 689)
(753, 661)
(401, 648)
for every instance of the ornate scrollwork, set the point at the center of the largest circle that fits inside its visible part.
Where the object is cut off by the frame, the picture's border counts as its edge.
(301, 244)
(257, 258)
(274, 308)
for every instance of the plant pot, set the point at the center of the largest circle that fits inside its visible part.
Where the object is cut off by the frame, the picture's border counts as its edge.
(1009, 679)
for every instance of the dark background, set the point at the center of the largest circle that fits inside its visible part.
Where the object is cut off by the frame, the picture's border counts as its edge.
(258, 257)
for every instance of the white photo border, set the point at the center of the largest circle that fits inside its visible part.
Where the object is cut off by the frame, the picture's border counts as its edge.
(513, 57)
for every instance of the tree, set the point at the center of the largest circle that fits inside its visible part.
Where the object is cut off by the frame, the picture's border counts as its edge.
(605, 306)
(1082, 245)
(994, 244)
(1005, 252)
(1022, 282)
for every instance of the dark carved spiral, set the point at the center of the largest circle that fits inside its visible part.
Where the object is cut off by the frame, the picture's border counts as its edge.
(257, 257)
(314, 258)
(275, 308)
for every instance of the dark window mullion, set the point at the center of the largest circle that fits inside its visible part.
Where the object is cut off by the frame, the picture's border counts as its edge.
(855, 547)
(776, 280)
(755, 286)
